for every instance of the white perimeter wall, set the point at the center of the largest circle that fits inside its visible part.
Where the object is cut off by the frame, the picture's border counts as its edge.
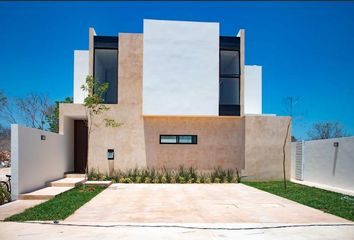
(253, 90)
(181, 68)
(319, 161)
(81, 70)
(35, 162)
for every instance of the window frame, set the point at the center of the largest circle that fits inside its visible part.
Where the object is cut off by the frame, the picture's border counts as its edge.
(194, 138)
(230, 44)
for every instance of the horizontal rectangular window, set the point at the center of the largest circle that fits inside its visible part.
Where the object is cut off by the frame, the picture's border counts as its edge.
(178, 139)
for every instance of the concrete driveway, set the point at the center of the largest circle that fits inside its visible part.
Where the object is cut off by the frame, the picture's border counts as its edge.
(195, 203)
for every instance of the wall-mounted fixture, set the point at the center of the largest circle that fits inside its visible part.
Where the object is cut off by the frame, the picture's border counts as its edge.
(336, 145)
(110, 154)
(43, 137)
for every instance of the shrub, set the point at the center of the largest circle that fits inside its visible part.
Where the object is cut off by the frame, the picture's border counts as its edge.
(128, 180)
(138, 179)
(217, 180)
(163, 179)
(147, 180)
(181, 179)
(156, 180)
(182, 175)
(207, 180)
(4, 195)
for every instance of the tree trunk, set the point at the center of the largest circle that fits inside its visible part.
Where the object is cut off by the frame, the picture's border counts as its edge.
(284, 153)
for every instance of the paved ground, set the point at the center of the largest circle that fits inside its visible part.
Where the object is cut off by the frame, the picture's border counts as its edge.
(186, 231)
(15, 207)
(195, 203)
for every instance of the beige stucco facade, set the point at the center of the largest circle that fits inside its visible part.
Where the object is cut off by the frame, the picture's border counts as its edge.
(252, 144)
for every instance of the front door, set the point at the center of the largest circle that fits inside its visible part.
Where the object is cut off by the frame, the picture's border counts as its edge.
(80, 146)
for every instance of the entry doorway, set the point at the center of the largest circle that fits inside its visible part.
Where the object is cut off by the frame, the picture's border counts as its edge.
(80, 146)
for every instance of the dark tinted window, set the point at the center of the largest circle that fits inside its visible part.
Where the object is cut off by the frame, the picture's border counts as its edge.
(229, 62)
(178, 139)
(229, 91)
(106, 70)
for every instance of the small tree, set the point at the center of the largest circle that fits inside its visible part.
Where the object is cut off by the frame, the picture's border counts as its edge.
(52, 116)
(289, 105)
(94, 106)
(326, 130)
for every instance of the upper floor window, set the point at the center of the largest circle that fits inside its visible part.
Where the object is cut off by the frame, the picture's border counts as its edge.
(229, 76)
(229, 62)
(106, 66)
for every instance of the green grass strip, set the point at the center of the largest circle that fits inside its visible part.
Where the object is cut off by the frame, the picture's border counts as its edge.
(326, 201)
(60, 207)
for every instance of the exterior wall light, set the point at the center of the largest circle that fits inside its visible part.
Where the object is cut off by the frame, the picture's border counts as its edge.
(43, 137)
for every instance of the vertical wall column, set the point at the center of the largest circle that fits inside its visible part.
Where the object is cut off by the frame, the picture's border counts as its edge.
(92, 34)
(241, 35)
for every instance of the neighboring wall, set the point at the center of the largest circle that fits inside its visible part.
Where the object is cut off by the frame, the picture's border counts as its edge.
(264, 139)
(181, 68)
(323, 165)
(220, 142)
(36, 162)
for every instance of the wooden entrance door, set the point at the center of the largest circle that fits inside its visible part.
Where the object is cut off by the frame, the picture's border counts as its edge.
(80, 146)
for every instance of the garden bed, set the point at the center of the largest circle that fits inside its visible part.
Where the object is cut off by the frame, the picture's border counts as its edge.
(60, 207)
(326, 201)
(182, 175)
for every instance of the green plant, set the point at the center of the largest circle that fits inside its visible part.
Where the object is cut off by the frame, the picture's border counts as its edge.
(138, 179)
(128, 180)
(163, 179)
(181, 179)
(156, 180)
(173, 179)
(217, 180)
(4, 195)
(122, 180)
(94, 106)
(207, 180)
(326, 201)
(147, 180)
(59, 207)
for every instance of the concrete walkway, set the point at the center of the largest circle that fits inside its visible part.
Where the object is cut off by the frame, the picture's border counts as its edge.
(17, 206)
(195, 203)
(247, 231)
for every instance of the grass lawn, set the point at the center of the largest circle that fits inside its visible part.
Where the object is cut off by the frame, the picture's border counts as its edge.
(60, 207)
(330, 202)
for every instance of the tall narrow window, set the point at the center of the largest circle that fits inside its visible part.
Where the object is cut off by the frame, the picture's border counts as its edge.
(229, 79)
(106, 71)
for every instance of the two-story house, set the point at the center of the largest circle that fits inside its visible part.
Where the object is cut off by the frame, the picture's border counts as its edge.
(184, 96)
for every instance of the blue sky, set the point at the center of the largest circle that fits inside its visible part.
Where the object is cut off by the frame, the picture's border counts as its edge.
(306, 49)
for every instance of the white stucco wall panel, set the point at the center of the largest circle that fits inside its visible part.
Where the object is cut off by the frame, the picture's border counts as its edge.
(253, 90)
(81, 70)
(181, 68)
(36, 162)
(319, 158)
